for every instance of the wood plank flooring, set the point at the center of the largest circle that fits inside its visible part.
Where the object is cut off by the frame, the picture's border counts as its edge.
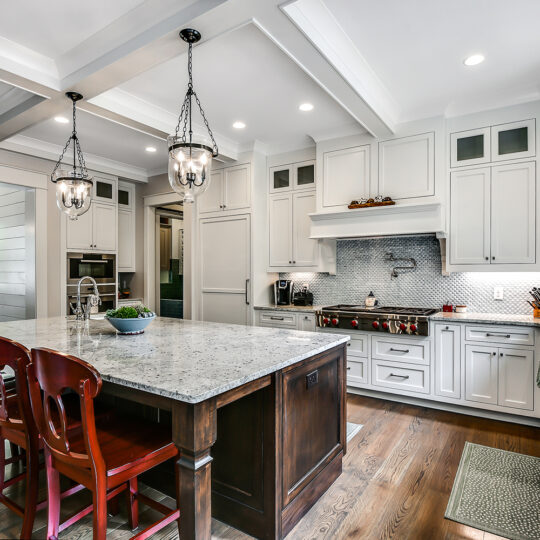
(397, 477)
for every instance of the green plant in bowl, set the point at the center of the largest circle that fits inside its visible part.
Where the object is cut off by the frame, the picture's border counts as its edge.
(130, 319)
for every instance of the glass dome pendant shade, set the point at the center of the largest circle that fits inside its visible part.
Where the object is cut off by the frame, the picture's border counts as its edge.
(190, 163)
(73, 187)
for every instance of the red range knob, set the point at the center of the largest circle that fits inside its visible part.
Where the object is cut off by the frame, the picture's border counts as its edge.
(375, 324)
(413, 328)
(354, 323)
(335, 321)
(385, 325)
(403, 327)
(325, 320)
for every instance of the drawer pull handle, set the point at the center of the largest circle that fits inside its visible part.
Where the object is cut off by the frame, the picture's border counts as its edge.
(498, 334)
(276, 318)
(399, 350)
(398, 375)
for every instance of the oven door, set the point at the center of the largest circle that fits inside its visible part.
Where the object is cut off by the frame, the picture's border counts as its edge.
(101, 267)
(107, 293)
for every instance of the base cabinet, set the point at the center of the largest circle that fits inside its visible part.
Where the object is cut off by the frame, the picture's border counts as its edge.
(290, 320)
(516, 370)
(448, 360)
(481, 372)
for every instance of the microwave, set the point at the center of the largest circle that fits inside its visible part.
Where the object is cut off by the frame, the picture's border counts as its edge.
(102, 267)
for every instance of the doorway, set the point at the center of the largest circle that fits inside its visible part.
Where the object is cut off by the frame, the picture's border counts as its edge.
(170, 254)
(17, 252)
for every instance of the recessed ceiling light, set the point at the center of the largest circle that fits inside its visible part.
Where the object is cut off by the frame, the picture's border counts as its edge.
(474, 59)
(61, 119)
(239, 125)
(306, 107)
(150, 148)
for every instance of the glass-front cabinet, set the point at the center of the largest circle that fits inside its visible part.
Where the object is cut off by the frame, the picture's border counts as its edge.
(295, 176)
(105, 190)
(502, 142)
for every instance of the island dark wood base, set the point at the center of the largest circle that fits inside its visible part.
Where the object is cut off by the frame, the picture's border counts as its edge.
(265, 451)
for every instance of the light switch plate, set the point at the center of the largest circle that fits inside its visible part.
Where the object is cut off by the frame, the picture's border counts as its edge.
(498, 293)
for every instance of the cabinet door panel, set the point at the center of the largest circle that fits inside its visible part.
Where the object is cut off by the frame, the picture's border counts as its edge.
(481, 367)
(281, 179)
(516, 376)
(447, 360)
(345, 175)
(105, 190)
(104, 227)
(304, 248)
(306, 322)
(212, 199)
(470, 220)
(512, 141)
(126, 241)
(304, 175)
(513, 214)
(470, 147)
(280, 230)
(237, 188)
(406, 167)
(79, 231)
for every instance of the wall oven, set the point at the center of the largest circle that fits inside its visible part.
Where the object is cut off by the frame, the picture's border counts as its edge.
(102, 267)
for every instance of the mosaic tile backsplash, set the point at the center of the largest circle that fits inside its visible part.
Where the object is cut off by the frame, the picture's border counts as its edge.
(361, 268)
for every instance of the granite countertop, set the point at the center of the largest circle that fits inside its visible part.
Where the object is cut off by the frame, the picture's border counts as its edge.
(487, 318)
(185, 360)
(291, 307)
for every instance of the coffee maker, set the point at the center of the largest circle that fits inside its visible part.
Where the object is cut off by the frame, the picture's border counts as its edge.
(283, 292)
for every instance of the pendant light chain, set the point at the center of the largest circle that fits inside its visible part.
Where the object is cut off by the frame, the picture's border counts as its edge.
(77, 152)
(185, 112)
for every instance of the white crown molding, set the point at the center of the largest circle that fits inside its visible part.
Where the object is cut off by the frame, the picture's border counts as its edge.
(341, 131)
(126, 104)
(46, 150)
(319, 25)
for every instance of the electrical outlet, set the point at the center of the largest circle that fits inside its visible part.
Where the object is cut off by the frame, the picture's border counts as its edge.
(498, 293)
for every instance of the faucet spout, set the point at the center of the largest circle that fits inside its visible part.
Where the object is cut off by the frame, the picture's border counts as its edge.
(93, 300)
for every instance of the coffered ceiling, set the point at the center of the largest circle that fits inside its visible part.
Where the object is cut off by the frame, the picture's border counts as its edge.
(365, 66)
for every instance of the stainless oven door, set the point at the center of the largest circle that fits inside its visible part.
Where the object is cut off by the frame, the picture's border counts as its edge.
(102, 267)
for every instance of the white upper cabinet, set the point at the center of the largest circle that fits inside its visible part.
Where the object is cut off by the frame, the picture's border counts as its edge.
(305, 249)
(93, 231)
(493, 216)
(513, 211)
(470, 216)
(470, 147)
(346, 176)
(229, 189)
(296, 176)
(304, 175)
(237, 187)
(512, 141)
(212, 199)
(280, 241)
(79, 232)
(407, 167)
(126, 227)
(281, 178)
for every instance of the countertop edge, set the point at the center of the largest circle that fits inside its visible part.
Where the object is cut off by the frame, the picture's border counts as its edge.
(487, 318)
(341, 338)
(290, 307)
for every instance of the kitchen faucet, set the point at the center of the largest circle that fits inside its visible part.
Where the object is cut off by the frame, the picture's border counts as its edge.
(92, 300)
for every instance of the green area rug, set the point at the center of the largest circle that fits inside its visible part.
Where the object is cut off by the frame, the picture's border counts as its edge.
(498, 492)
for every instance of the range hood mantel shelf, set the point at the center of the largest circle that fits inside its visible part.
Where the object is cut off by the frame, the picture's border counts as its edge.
(401, 219)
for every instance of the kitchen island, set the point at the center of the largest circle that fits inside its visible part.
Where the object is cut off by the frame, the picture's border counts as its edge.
(258, 414)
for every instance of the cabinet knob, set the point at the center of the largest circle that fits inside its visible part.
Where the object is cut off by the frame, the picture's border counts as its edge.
(447, 328)
(290, 262)
(487, 258)
(492, 258)
(493, 353)
(502, 354)
(294, 262)
(224, 206)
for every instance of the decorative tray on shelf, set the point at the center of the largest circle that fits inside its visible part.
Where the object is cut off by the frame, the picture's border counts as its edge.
(356, 204)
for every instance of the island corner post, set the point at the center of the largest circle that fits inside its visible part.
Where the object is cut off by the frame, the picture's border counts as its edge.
(243, 453)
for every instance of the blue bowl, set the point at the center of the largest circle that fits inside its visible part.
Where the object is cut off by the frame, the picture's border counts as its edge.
(130, 326)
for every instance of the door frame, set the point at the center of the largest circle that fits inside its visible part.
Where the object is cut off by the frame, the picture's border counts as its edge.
(38, 182)
(151, 292)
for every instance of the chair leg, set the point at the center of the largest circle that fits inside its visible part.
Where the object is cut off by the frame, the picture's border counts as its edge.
(99, 499)
(2, 463)
(32, 484)
(114, 506)
(133, 503)
(53, 498)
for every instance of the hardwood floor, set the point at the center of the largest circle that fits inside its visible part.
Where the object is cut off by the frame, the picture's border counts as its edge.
(397, 477)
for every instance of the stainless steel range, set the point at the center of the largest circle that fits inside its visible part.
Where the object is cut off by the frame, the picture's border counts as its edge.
(394, 320)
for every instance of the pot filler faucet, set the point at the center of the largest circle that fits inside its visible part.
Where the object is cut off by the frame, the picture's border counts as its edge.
(82, 314)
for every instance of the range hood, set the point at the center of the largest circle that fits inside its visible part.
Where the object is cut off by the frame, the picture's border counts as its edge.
(401, 219)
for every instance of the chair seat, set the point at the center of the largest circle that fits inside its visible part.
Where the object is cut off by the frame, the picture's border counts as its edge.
(127, 443)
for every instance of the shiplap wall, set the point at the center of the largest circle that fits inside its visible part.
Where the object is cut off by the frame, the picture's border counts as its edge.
(13, 253)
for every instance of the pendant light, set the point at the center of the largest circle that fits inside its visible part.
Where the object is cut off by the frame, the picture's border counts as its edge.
(73, 187)
(190, 163)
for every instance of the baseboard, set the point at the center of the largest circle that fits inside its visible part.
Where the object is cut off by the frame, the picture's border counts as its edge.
(443, 406)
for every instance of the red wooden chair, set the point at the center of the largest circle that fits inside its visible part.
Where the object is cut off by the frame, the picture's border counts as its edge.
(105, 456)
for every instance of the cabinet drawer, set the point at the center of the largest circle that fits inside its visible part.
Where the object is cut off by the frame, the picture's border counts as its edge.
(358, 346)
(400, 350)
(281, 319)
(511, 335)
(356, 371)
(413, 378)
